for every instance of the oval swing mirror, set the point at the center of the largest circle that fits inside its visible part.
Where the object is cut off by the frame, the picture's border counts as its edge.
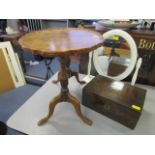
(117, 58)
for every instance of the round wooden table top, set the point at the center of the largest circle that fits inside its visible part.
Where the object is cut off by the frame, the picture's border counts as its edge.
(58, 42)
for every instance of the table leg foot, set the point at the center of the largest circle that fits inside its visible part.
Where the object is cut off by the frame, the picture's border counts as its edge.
(73, 73)
(52, 105)
(75, 102)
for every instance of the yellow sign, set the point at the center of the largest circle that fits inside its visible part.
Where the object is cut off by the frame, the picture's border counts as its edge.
(136, 107)
(116, 38)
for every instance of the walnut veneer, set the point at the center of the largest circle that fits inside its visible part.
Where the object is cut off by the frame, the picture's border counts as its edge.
(62, 42)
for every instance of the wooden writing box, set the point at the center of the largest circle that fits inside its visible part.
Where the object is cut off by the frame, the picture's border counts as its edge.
(117, 100)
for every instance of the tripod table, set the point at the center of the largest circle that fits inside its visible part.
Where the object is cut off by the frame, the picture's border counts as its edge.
(62, 43)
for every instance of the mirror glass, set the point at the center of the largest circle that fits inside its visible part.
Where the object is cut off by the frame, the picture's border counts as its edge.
(115, 56)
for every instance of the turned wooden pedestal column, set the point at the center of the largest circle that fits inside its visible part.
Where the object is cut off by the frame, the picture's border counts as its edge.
(64, 75)
(62, 43)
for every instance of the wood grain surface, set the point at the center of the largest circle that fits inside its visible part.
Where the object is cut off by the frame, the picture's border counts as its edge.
(58, 42)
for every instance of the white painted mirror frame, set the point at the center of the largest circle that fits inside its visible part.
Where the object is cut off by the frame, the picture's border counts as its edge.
(133, 57)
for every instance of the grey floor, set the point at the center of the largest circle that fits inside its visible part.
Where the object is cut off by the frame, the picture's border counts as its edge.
(12, 100)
